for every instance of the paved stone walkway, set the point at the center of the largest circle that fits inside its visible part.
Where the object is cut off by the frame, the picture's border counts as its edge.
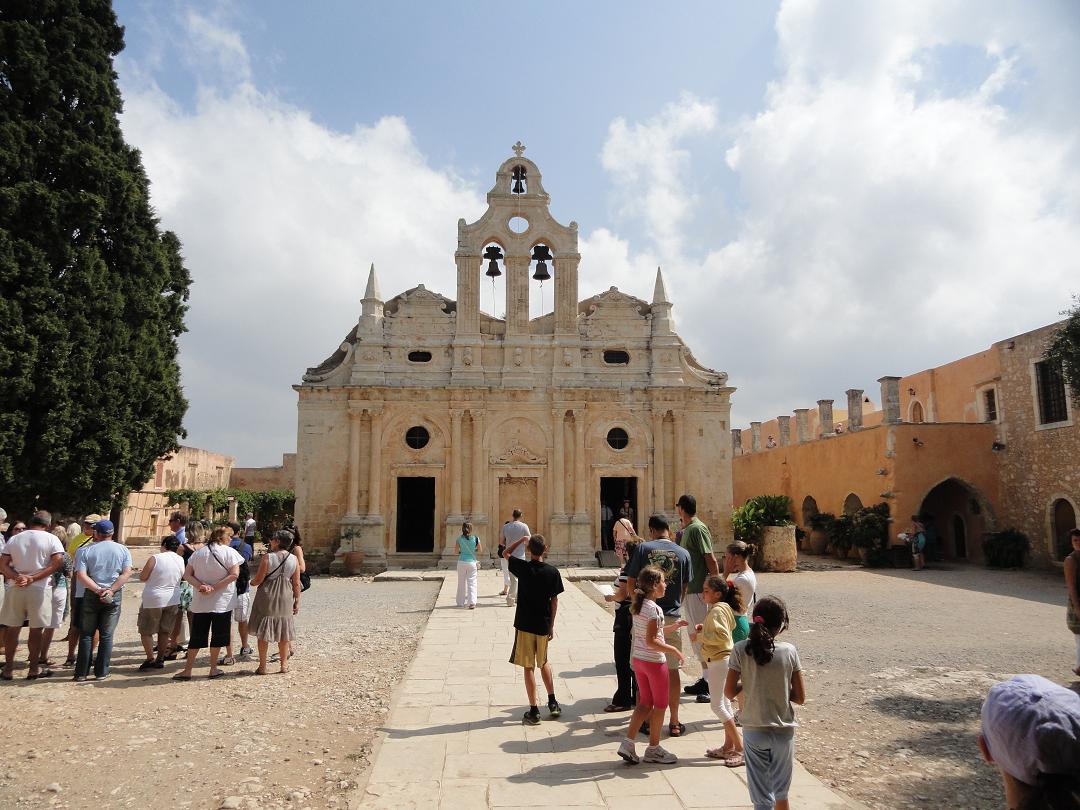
(454, 738)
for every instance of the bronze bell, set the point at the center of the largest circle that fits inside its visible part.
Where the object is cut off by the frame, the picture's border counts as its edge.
(519, 176)
(493, 254)
(541, 255)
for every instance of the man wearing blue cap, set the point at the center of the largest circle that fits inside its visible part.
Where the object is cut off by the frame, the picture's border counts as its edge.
(1031, 732)
(104, 568)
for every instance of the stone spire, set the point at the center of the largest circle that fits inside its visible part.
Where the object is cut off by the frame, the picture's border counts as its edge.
(662, 323)
(372, 304)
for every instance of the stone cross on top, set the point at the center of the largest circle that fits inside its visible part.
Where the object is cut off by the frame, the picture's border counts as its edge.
(519, 148)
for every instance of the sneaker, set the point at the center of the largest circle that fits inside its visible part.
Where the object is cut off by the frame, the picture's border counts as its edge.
(247, 651)
(145, 665)
(659, 755)
(554, 709)
(704, 697)
(531, 718)
(79, 679)
(628, 752)
(698, 687)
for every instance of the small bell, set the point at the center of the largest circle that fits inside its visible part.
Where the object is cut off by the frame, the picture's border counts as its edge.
(541, 255)
(519, 176)
(493, 254)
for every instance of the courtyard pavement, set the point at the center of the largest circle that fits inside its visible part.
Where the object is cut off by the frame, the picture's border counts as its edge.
(454, 737)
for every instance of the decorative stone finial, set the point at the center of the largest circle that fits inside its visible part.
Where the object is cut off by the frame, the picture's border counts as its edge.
(660, 295)
(372, 292)
(519, 148)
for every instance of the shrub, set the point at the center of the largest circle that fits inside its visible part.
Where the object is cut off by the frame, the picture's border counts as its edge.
(1006, 549)
(757, 513)
(870, 527)
(840, 535)
(821, 521)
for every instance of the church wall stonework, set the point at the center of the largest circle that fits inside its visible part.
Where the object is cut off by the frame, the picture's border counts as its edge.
(593, 400)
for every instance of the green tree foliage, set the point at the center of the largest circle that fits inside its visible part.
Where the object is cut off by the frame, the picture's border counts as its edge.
(1064, 348)
(272, 508)
(92, 293)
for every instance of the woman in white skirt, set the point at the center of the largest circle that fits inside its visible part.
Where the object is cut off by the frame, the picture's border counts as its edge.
(468, 548)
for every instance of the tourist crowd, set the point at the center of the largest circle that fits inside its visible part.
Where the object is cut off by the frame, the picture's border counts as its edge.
(202, 581)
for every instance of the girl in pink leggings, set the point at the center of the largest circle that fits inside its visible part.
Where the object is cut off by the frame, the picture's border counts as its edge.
(650, 667)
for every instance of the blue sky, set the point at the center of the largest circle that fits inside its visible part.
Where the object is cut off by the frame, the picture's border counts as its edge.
(836, 191)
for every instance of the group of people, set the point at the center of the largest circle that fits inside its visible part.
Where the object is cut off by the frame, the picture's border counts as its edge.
(200, 579)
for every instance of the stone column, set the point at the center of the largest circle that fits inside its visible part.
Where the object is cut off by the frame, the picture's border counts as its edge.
(232, 508)
(517, 295)
(825, 420)
(854, 408)
(755, 437)
(375, 462)
(479, 465)
(736, 442)
(784, 430)
(659, 484)
(581, 467)
(802, 424)
(558, 478)
(890, 399)
(566, 287)
(356, 415)
(455, 465)
(680, 455)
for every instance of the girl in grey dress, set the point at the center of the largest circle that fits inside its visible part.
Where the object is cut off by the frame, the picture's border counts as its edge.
(277, 600)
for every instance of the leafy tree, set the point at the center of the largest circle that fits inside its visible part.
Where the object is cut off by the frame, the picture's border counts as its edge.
(1064, 348)
(92, 293)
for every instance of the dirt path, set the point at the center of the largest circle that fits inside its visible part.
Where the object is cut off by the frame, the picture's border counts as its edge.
(296, 740)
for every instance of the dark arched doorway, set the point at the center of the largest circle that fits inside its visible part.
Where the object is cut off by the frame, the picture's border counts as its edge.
(956, 517)
(852, 504)
(809, 509)
(1064, 521)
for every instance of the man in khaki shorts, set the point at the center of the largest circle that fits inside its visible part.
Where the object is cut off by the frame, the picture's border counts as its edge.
(29, 560)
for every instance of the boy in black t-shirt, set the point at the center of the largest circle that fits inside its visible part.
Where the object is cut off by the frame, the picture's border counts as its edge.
(539, 586)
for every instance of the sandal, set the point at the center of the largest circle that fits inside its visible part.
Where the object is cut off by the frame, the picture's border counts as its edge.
(228, 661)
(676, 729)
(615, 707)
(179, 676)
(218, 674)
(719, 753)
(68, 662)
(736, 760)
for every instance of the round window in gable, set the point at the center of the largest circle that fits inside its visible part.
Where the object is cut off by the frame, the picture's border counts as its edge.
(419, 357)
(617, 357)
(617, 438)
(417, 437)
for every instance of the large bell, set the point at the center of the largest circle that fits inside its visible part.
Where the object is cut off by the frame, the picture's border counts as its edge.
(493, 254)
(519, 176)
(541, 255)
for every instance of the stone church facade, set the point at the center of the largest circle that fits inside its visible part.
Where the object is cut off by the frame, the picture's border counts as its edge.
(432, 411)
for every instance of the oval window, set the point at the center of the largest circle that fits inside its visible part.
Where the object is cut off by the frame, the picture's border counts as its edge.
(617, 357)
(417, 437)
(419, 357)
(617, 438)
(518, 224)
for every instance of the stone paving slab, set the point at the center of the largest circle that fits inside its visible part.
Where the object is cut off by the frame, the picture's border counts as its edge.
(454, 737)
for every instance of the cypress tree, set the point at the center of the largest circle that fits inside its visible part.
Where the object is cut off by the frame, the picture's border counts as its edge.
(92, 292)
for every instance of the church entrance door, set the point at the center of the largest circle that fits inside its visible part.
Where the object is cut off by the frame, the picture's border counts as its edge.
(618, 498)
(415, 514)
(519, 493)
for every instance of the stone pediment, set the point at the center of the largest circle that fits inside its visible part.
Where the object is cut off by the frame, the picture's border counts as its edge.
(614, 313)
(420, 311)
(518, 454)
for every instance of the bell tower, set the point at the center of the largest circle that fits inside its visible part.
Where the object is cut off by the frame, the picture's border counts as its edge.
(517, 239)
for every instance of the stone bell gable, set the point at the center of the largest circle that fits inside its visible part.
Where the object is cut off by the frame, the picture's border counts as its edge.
(432, 411)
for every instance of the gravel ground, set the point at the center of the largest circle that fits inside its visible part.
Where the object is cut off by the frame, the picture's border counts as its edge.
(898, 664)
(299, 740)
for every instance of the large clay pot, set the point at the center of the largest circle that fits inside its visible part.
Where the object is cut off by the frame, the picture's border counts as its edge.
(353, 561)
(818, 541)
(778, 551)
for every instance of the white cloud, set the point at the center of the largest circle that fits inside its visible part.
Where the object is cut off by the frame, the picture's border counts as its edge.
(889, 220)
(279, 219)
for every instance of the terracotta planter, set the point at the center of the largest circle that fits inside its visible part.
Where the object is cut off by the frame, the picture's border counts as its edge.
(353, 561)
(864, 555)
(778, 551)
(817, 542)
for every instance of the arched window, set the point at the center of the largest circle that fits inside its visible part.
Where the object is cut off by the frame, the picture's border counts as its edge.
(1064, 521)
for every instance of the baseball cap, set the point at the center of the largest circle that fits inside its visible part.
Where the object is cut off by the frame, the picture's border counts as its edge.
(1032, 726)
(104, 527)
(92, 518)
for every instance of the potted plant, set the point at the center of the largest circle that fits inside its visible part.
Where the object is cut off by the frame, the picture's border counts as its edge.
(1006, 549)
(766, 522)
(840, 539)
(870, 532)
(819, 531)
